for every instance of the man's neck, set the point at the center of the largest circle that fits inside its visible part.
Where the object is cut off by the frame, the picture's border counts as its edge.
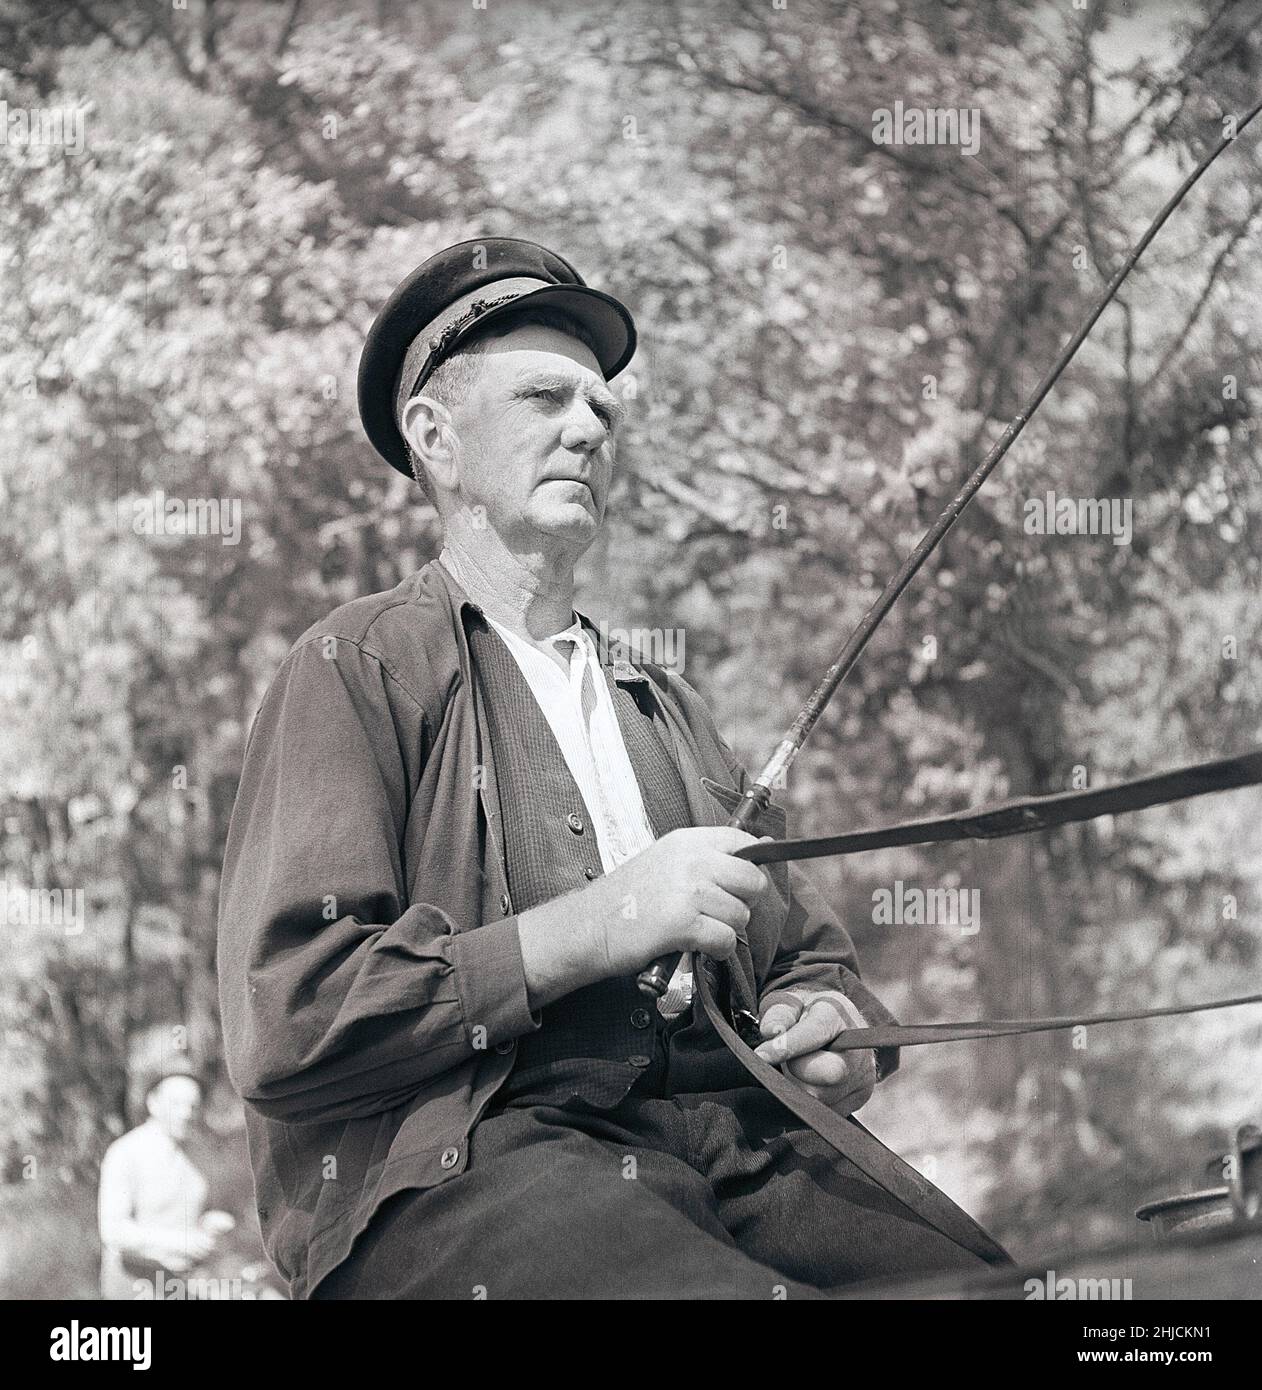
(524, 593)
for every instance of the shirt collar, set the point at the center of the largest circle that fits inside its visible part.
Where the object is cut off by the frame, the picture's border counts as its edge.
(621, 669)
(573, 633)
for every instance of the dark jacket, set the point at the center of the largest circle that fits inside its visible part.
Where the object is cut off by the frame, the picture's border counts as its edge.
(370, 973)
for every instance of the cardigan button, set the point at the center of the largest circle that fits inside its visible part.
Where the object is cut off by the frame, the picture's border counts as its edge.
(575, 822)
(450, 1158)
(640, 1018)
(504, 904)
(589, 872)
(504, 1048)
(639, 1061)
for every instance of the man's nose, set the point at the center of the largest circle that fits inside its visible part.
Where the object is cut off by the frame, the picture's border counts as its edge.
(584, 430)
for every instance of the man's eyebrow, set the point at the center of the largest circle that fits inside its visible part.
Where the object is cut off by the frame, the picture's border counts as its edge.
(558, 381)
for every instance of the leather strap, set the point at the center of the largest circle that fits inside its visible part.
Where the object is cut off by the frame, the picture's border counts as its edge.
(1020, 816)
(846, 1134)
(1016, 818)
(914, 1034)
(851, 1140)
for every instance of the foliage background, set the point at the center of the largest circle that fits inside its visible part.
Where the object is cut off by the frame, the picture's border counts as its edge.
(181, 307)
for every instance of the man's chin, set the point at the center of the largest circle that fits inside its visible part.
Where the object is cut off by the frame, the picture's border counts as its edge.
(569, 520)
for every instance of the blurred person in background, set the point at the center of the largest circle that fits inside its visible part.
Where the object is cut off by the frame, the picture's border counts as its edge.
(152, 1199)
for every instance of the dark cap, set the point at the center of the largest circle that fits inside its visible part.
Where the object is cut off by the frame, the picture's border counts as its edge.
(455, 292)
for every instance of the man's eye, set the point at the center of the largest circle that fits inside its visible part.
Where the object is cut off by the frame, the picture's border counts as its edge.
(548, 394)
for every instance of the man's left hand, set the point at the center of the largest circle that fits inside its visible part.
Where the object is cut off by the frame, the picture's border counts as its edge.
(797, 1027)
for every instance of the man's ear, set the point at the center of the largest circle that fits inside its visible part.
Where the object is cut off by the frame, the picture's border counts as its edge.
(427, 426)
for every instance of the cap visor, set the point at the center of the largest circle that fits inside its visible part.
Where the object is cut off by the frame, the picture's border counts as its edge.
(608, 321)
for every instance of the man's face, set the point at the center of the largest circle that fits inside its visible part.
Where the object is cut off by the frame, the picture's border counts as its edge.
(174, 1103)
(536, 436)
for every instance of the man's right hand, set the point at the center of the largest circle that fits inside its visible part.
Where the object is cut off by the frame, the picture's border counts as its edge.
(685, 892)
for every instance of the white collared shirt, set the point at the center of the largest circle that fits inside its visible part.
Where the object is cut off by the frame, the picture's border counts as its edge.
(565, 676)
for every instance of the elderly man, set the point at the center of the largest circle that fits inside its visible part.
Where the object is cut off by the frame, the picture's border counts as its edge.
(462, 829)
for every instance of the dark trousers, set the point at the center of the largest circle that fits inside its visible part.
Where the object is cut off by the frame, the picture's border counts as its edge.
(720, 1194)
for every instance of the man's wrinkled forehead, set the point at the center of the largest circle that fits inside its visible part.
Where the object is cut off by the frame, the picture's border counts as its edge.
(538, 341)
(546, 376)
(562, 364)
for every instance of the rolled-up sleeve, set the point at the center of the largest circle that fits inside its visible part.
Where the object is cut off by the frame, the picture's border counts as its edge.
(340, 998)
